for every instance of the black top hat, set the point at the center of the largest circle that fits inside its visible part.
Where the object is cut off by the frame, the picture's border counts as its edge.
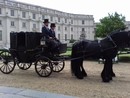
(52, 25)
(46, 21)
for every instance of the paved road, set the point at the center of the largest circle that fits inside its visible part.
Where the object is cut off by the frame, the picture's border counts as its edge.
(10, 92)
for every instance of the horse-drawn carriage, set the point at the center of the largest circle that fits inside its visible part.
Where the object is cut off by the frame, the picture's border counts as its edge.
(26, 49)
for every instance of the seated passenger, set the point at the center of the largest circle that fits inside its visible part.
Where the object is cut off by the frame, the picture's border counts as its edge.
(55, 43)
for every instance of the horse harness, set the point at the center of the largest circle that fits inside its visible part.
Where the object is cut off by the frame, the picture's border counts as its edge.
(111, 40)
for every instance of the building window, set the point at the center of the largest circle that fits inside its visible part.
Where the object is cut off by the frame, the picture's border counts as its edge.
(24, 14)
(83, 30)
(65, 28)
(0, 35)
(34, 16)
(58, 19)
(83, 22)
(59, 36)
(12, 23)
(65, 37)
(72, 29)
(71, 36)
(65, 20)
(43, 17)
(0, 22)
(34, 25)
(12, 12)
(0, 11)
(51, 18)
(58, 28)
(71, 21)
(24, 24)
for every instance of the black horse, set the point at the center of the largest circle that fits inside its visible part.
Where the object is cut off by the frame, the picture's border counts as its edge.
(106, 48)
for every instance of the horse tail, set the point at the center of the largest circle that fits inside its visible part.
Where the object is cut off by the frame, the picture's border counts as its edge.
(73, 64)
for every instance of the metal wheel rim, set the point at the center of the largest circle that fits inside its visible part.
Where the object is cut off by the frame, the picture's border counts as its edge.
(24, 66)
(43, 69)
(59, 67)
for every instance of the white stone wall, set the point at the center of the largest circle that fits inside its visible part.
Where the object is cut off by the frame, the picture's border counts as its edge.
(127, 23)
(69, 24)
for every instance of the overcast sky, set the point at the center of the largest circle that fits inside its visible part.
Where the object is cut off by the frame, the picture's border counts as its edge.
(97, 8)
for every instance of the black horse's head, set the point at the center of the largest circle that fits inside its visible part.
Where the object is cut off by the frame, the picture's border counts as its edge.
(120, 38)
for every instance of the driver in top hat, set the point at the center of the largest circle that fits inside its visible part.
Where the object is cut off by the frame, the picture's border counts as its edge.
(45, 29)
(49, 34)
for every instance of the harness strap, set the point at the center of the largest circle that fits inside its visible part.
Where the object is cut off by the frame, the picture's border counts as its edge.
(112, 41)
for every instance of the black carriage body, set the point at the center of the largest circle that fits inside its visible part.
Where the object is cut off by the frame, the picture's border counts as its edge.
(25, 46)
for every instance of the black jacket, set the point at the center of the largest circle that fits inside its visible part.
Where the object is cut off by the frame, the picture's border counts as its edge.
(52, 34)
(46, 32)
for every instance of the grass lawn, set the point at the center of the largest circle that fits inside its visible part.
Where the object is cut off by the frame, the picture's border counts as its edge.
(68, 53)
(124, 55)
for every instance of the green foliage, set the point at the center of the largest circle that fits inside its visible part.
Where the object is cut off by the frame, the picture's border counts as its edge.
(110, 23)
(69, 49)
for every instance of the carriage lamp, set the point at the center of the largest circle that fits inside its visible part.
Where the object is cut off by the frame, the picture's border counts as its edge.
(42, 41)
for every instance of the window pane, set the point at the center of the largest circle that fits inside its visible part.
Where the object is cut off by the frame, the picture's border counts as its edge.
(34, 25)
(0, 35)
(65, 28)
(58, 19)
(58, 28)
(0, 22)
(83, 29)
(65, 37)
(59, 36)
(43, 17)
(24, 14)
(71, 29)
(65, 20)
(0, 11)
(51, 18)
(71, 36)
(82, 21)
(71, 21)
(34, 16)
(24, 24)
(12, 12)
(12, 23)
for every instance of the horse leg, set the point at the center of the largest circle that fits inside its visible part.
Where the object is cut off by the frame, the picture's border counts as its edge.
(106, 73)
(112, 72)
(83, 70)
(80, 73)
(76, 68)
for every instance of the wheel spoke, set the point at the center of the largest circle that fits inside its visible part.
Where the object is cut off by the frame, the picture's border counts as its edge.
(58, 66)
(7, 64)
(42, 67)
(3, 67)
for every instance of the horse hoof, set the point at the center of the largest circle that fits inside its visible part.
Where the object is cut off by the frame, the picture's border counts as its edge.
(80, 77)
(110, 78)
(85, 75)
(113, 75)
(106, 80)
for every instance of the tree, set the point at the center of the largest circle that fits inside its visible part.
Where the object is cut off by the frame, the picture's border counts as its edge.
(110, 23)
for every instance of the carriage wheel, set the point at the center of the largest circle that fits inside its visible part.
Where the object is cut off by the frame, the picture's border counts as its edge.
(58, 66)
(7, 63)
(43, 67)
(24, 66)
